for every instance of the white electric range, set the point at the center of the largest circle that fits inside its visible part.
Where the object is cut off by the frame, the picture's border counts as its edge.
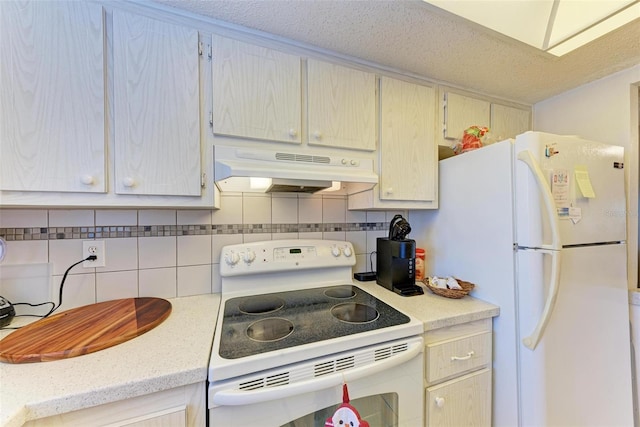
(293, 328)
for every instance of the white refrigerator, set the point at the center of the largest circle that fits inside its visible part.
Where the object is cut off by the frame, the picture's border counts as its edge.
(539, 225)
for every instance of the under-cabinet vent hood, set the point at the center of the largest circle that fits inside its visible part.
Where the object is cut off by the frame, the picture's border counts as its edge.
(268, 171)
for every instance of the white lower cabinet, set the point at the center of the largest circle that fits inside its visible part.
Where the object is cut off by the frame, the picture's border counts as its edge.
(176, 407)
(458, 375)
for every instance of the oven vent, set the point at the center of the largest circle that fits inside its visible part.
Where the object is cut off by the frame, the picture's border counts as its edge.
(292, 157)
(385, 352)
(336, 365)
(270, 381)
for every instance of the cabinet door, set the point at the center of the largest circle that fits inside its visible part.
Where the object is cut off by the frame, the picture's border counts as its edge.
(463, 112)
(407, 141)
(52, 117)
(157, 107)
(256, 91)
(507, 122)
(341, 106)
(465, 401)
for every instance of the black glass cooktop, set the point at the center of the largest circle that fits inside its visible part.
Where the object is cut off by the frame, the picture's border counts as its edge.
(263, 323)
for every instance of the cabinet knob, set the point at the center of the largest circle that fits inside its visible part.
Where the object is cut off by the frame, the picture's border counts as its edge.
(128, 182)
(317, 135)
(389, 190)
(293, 133)
(439, 402)
(87, 179)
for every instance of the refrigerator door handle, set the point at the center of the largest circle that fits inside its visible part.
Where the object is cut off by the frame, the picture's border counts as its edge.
(532, 340)
(547, 197)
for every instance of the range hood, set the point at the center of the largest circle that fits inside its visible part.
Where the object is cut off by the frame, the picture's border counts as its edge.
(267, 171)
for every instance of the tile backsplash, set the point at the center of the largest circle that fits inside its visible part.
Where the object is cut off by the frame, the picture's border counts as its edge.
(168, 253)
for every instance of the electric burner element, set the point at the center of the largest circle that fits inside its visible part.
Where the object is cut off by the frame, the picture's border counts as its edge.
(269, 329)
(340, 292)
(354, 313)
(262, 304)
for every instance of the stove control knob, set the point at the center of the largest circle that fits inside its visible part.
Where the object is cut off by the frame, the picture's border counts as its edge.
(249, 256)
(231, 258)
(335, 251)
(347, 251)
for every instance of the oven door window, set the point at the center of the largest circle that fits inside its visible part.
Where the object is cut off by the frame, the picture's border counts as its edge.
(378, 410)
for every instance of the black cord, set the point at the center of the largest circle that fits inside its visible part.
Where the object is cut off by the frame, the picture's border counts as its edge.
(55, 307)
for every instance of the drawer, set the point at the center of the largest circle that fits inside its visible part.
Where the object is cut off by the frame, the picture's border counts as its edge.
(464, 401)
(455, 356)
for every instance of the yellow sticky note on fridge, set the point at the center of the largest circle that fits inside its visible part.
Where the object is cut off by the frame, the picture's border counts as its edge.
(584, 183)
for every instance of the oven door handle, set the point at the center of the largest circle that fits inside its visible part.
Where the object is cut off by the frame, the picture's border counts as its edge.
(243, 397)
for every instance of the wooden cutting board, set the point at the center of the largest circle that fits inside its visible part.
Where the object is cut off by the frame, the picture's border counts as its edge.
(83, 330)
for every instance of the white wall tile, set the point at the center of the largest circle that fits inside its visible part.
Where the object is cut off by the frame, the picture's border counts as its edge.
(334, 235)
(334, 210)
(284, 210)
(156, 217)
(216, 285)
(194, 280)
(285, 236)
(71, 218)
(362, 264)
(157, 282)
(194, 217)
(120, 254)
(356, 216)
(372, 239)
(376, 216)
(256, 237)
(63, 253)
(78, 290)
(25, 218)
(358, 239)
(309, 209)
(116, 217)
(218, 241)
(116, 285)
(230, 211)
(313, 235)
(194, 250)
(27, 283)
(26, 252)
(156, 252)
(256, 209)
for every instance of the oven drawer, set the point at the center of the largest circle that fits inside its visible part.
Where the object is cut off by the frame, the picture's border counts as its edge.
(455, 356)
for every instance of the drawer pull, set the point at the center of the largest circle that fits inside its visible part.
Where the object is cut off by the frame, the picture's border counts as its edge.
(467, 357)
(439, 402)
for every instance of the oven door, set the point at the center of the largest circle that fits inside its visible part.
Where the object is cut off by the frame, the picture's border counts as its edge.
(385, 384)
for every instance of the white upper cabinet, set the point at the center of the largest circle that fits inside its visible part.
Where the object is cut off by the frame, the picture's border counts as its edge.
(407, 157)
(507, 122)
(52, 114)
(407, 143)
(462, 112)
(157, 107)
(341, 106)
(256, 92)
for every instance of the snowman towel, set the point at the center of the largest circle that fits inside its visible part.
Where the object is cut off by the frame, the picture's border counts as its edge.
(346, 415)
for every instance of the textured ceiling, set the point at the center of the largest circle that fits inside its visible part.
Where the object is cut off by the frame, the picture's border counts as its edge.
(414, 37)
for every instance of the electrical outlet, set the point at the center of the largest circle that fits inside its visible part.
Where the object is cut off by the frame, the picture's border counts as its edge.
(93, 247)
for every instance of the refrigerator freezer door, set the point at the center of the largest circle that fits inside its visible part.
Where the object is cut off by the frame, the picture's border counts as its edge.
(580, 372)
(585, 216)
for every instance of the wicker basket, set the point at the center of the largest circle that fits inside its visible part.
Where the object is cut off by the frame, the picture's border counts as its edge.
(451, 293)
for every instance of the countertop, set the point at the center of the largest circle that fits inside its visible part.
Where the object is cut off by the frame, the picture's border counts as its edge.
(433, 310)
(158, 360)
(173, 354)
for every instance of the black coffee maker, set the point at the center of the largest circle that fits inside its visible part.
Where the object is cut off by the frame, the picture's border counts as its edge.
(395, 259)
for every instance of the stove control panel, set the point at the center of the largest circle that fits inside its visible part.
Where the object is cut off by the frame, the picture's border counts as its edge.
(283, 255)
